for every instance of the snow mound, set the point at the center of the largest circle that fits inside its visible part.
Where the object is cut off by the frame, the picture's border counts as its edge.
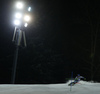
(84, 82)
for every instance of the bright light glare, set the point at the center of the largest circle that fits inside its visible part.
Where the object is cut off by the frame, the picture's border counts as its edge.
(27, 18)
(29, 9)
(19, 5)
(25, 24)
(18, 15)
(17, 22)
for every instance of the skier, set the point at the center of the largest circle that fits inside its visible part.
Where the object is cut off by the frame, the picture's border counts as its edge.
(77, 79)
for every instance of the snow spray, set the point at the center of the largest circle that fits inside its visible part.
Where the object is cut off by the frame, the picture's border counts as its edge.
(71, 80)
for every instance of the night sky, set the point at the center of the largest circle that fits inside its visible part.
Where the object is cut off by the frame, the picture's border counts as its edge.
(63, 37)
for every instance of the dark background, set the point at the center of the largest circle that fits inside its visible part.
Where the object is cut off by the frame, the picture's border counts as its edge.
(63, 37)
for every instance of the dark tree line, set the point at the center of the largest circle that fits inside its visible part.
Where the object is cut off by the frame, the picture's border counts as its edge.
(86, 41)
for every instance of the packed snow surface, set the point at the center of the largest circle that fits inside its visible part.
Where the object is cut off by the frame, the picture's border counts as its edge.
(82, 87)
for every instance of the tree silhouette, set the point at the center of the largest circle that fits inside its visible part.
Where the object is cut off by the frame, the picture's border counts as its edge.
(88, 19)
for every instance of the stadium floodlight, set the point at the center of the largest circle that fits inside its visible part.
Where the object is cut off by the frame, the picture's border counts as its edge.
(21, 20)
(29, 9)
(27, 18)
(16, 22)
(18, 15)
(19, 5)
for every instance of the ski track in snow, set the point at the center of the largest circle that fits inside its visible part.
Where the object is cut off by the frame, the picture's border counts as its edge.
(81, 88)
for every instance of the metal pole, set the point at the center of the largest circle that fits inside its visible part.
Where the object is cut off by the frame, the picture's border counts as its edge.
(17, 41)
(15, 65)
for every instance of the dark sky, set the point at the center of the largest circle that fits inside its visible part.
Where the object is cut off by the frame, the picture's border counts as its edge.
(58, 41)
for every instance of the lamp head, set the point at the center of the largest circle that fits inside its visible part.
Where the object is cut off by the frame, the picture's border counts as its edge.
(17, 22)
(26, 24)
(26, 18)
(19, 5)
(29, 9)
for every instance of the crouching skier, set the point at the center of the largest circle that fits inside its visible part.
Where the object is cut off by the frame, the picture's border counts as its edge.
(77, 79)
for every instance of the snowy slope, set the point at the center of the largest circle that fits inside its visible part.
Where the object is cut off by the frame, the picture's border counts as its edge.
(80, 88)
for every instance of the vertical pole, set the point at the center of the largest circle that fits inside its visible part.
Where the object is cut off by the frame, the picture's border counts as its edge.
(24, 38)
(17, 41)
(14, 34)
(71, 80)
(15, 65)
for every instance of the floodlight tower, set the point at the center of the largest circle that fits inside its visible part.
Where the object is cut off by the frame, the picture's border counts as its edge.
(21, 21)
